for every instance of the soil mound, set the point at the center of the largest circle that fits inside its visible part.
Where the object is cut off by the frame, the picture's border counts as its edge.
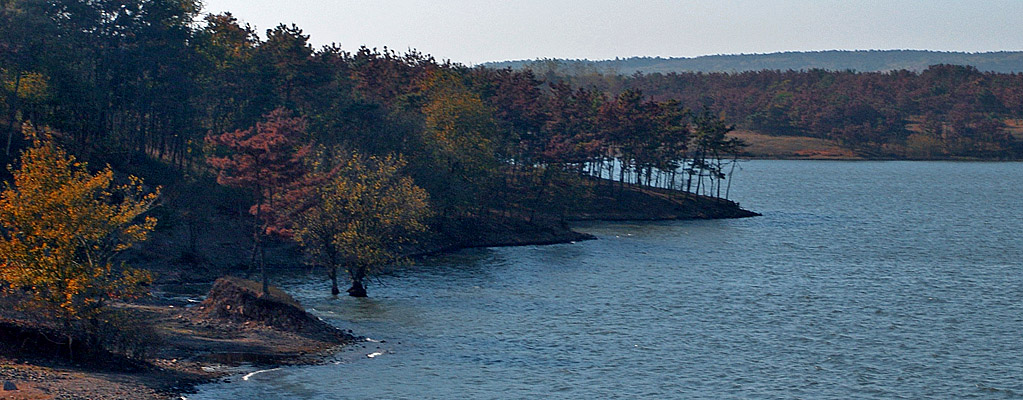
(241, 300)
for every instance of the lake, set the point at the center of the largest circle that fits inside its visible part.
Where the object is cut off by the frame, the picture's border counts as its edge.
(862, 280)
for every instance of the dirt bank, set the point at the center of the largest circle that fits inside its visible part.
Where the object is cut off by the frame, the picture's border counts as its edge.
(193, 343)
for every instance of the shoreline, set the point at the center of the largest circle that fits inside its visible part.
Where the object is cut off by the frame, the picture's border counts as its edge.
(192, 348)
(859, 158)
(197, 349)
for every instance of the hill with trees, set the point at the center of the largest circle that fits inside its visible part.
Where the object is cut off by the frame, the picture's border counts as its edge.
(831, 60)
(898, 104)
(942, 112)
(259, 151)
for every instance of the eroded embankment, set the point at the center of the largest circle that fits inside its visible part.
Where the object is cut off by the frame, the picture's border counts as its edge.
(188, 345)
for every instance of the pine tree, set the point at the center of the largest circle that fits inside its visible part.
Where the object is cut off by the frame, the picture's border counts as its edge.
(265, 159)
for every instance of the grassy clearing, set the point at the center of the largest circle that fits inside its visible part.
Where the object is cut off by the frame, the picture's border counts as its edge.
(792, 147)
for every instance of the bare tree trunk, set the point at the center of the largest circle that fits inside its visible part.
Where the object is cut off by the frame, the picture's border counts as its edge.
(728, 189)
(332, 272)
(13, 114)
(699, 182)
(689, 181)
(621, 176)
(717, 172)
(262, 271)
(611, 174)
(257, 236)
(358, 289)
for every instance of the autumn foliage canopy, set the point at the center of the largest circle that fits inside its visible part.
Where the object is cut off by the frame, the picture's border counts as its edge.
(60, 228)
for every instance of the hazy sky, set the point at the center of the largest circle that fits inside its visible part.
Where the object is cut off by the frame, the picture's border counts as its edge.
(475, 31)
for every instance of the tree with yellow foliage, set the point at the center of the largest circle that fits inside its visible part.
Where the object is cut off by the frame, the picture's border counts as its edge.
(457, 146)
(360, 217)
(60, 228)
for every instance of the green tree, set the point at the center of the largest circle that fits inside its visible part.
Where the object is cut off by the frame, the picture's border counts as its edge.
(712, 146)
(231, 95)
(457, 141)
(360, 217)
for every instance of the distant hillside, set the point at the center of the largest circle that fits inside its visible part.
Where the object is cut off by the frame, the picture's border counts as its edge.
(834, 60)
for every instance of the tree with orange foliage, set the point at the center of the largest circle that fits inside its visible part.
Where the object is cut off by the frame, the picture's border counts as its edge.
(60, 228)
(266, 159)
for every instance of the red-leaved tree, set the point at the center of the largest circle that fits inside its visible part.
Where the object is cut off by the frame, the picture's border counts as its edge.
(266, 159)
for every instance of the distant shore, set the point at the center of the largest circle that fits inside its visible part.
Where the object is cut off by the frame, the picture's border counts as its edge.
(770, 147)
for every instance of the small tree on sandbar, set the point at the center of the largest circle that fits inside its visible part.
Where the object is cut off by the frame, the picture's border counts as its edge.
(267, 159)
(360, 217)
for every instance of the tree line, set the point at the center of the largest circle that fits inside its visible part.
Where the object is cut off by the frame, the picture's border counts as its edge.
(944, 111)
(127, 80)
(351, 154)
(832, 60)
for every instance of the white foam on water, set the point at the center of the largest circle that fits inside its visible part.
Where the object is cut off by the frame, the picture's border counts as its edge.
(251, 374)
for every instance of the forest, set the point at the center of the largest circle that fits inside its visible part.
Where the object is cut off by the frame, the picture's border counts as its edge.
(128, 120)
(942, 112)
(125, 81)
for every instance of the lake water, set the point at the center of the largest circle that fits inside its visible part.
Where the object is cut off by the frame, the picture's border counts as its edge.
(862, 280)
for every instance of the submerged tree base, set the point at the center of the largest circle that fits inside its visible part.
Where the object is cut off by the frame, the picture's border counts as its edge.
(357, 290)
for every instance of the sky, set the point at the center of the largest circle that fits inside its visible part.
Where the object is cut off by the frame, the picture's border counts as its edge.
(476, 31)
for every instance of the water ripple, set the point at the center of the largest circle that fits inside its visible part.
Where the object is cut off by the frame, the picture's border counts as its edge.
(874, 280)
